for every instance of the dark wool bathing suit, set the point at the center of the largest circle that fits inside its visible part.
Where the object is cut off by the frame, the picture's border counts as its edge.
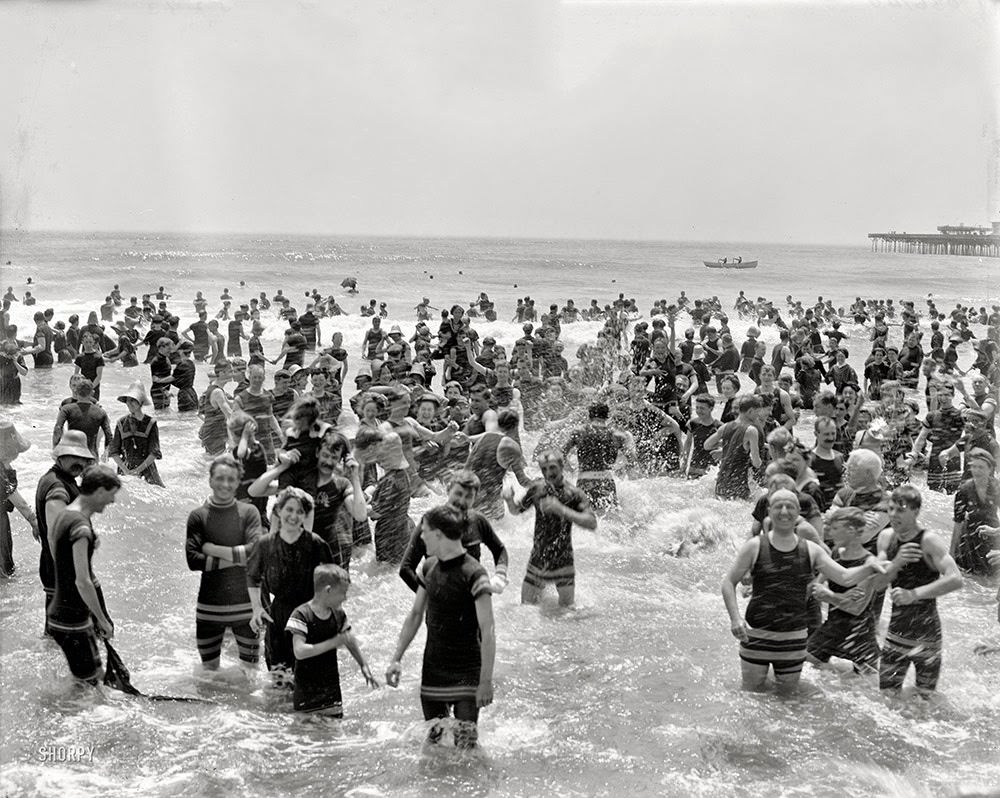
(223, 599)
(317, 679)
(777, 615)
(914, 629)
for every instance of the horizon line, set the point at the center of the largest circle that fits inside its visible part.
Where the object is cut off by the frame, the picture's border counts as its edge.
(4, 231)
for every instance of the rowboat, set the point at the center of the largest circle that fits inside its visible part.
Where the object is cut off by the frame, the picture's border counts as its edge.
(732, 264)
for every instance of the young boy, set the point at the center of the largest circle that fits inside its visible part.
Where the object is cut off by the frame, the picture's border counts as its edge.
(454, 593)
(849, 630)
(318, 628)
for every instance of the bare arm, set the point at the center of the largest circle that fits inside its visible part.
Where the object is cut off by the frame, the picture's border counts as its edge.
(411, 625)
(835, 572)
(484, 615)
(220, 402)
(354, 497)
(740, 568)
(304, 650)
(751, 439)
(262, 486)
(949, 578)
(86, 588)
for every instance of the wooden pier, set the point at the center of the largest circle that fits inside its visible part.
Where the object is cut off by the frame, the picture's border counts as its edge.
(949, 240)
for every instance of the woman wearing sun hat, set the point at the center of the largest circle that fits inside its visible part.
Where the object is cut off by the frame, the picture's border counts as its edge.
(11, 445)
(135, 446)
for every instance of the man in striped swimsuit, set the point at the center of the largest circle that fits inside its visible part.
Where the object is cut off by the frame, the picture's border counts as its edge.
(220, 536)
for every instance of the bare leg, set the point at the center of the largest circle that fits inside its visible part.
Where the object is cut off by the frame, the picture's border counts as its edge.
(567, 595)
(530, 594)
(787, 683)
(754, 676)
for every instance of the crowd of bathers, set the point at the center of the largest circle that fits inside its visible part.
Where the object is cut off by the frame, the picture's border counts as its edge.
(442, 412)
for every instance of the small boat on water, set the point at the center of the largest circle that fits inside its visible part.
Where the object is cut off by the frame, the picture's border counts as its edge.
(725, 263)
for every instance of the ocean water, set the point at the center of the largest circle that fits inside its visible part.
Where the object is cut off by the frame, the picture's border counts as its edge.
(634, 692)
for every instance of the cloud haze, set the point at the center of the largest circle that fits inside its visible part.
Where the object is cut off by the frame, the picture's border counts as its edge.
(757, 122)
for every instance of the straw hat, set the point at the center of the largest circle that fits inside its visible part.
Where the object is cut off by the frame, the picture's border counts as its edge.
(73, 443)
(135, 391)
(11, 442)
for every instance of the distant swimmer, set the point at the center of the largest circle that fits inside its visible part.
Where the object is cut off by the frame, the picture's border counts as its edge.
(10, 296)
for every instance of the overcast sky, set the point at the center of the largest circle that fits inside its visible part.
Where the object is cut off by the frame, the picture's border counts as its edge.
(741, 121)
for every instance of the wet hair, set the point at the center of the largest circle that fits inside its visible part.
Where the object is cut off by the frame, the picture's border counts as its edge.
(784, 466)
(84, 388)
(508, 420)
(329, 575)
(748, 403)
(287, 494)
(306, 406)
(225, 461)
(447, 520)
(981, 454)
(465, 478)
(550, 456)
(366, 438)
(598, 410)
(337, 444)
(776, 479)
(907, 496)
(95, 477)
(854, 517)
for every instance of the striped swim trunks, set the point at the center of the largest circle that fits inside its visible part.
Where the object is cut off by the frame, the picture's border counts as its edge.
(784, 651)
(564, 576)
